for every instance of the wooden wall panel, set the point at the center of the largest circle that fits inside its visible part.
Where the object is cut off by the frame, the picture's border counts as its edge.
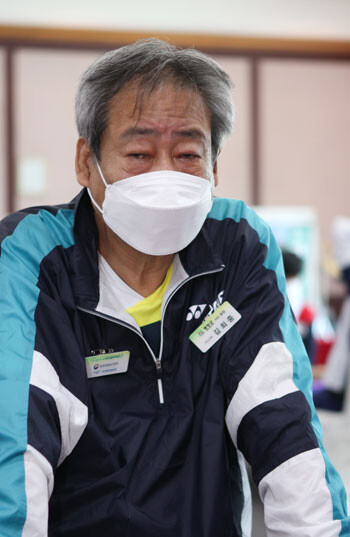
(305, 136)
(231, 44)
(235, 164)
(45, 85)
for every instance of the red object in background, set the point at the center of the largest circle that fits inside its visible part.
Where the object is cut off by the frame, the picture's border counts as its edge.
(307, 315)
(322, 348)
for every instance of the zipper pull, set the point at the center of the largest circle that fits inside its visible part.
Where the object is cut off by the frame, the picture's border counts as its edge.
(159, 380)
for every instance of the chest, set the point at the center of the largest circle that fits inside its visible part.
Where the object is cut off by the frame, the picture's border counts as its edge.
(181, 367)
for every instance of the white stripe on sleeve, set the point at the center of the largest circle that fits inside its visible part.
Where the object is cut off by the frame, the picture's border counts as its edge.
(38, 485)
(269, 377)
(247, 513)
(297, 501)
(73, 414)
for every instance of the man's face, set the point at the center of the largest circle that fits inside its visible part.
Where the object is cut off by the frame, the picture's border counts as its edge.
(170, 131)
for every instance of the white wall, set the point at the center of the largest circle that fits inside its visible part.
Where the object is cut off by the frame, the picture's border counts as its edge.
(328, 19)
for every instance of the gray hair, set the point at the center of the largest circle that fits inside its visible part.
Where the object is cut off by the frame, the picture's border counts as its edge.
(151, 62)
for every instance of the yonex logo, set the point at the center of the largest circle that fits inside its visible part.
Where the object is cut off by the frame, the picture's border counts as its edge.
(214, 306)
(195, 311)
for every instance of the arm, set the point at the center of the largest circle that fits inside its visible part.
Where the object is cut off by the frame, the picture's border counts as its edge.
(271, 416)
(40, 419)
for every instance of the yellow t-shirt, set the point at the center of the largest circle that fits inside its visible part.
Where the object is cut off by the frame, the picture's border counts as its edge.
(147, 313)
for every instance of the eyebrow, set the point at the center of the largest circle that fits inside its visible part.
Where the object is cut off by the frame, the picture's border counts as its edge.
(186, 133)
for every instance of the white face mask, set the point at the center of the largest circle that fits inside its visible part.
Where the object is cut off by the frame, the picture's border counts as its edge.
(157, 213)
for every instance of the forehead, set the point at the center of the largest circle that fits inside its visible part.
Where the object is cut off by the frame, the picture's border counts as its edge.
(164, 108)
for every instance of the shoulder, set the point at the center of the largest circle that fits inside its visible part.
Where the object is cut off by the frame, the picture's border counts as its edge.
(242, 238)
(237, 215)
(28, 235)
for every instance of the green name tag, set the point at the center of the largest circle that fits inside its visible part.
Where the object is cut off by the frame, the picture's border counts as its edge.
(112, 363)
(215, 326)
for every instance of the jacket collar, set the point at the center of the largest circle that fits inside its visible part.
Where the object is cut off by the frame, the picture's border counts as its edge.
(197, 258)
(84, 260)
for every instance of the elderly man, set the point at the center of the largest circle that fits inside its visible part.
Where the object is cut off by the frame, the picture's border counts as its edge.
(147, 346)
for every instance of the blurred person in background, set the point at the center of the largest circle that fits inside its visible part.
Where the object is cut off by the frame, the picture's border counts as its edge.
(304, 314)
(147, 344)
(329, 393)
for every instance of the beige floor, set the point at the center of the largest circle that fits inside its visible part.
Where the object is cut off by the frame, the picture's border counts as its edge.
(336, 427)
(258, 516)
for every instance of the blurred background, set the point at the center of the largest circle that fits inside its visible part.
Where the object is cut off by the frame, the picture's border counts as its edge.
(289, 155)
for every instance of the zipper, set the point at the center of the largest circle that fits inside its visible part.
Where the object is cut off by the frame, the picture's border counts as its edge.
(220, 269)
(157, 361)
(159, 380)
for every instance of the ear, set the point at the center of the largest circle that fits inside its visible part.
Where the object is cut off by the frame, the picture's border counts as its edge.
(83, 160)
(215, 172)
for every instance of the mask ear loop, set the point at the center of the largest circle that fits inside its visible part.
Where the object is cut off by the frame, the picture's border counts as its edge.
(104, 182)
(100, 172)
(212, 184)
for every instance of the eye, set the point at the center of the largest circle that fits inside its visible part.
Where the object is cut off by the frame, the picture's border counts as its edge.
(137, 156)
(189, 156)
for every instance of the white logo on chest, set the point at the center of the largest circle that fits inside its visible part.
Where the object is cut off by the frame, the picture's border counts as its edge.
(214, 306)
(196, 310)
